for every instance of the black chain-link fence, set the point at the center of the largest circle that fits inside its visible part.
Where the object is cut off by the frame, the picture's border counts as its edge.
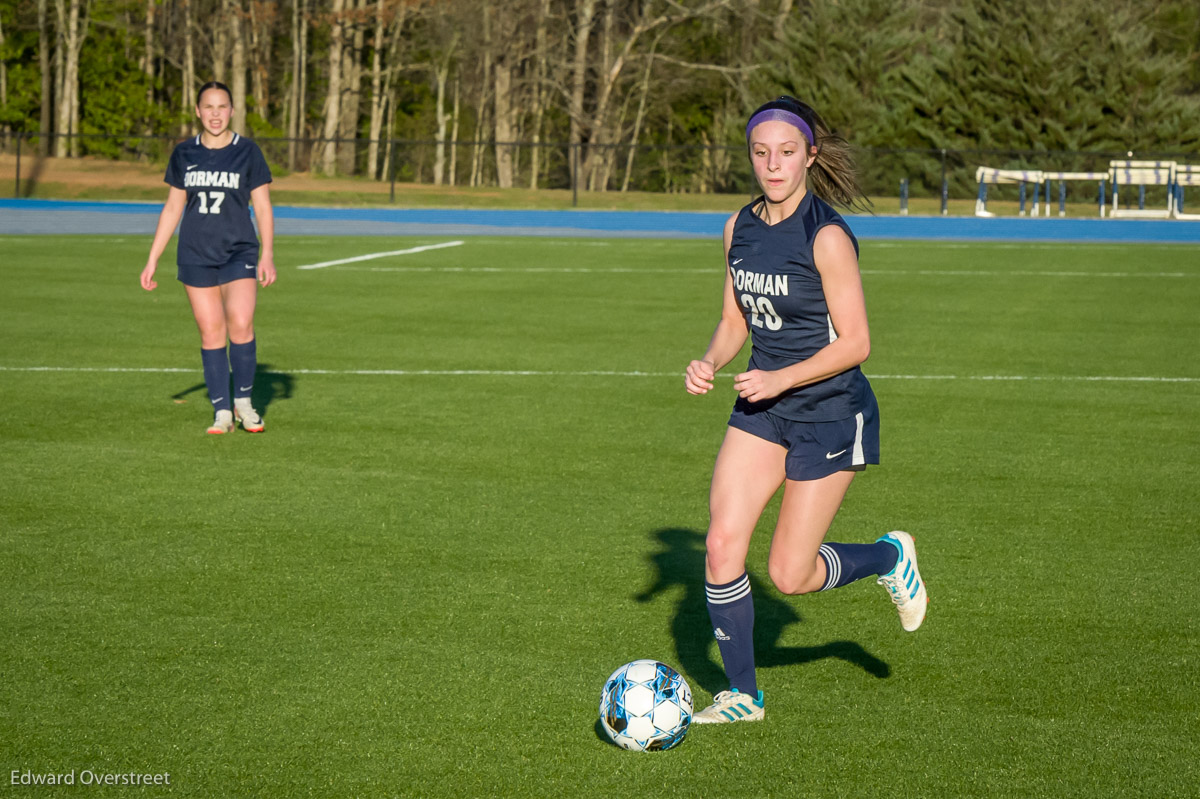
(936, 178)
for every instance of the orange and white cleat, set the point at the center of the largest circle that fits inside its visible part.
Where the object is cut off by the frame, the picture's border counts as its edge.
(244, 412)
(222, 423)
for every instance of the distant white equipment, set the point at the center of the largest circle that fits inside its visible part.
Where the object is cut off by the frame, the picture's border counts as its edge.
(1185, 175)
(986, 176)
(1143, 174)
(1063, 177)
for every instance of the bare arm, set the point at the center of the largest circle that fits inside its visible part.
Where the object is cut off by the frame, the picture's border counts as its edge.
(265, 214)
(168, 220)
(727, 339)
(835, 259)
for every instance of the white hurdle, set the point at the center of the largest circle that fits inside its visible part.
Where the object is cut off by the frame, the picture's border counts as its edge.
(986, 176)
(1063, 177)
(1185, 175)
(1143, 174)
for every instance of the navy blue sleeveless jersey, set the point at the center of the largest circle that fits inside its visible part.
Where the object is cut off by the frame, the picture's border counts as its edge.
(779, 288)
(216, 227)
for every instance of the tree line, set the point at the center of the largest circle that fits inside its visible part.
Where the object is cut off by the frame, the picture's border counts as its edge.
(610, 78)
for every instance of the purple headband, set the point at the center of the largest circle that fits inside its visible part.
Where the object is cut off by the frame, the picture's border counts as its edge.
(780, 115)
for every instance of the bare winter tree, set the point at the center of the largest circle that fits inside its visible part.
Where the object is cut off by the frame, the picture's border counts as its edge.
(3, 78)
(582, 21)
(188, 88)
(44, 64)
(298, 87)
(72, 30)
(390, 18)
(333, 98)
(354, 41)
(443, 35)
(237, 61)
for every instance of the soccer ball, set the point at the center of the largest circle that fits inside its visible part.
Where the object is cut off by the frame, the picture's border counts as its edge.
(645, 706)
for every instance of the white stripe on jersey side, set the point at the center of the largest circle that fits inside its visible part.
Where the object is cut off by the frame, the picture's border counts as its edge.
(833, 566)
(832, 332)
(733, 593)
(859, 458)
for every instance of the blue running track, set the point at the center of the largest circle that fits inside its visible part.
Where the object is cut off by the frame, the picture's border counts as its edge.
(66, 217)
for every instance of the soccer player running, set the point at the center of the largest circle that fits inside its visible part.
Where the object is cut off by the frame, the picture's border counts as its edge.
(805, 416)
(214, 178)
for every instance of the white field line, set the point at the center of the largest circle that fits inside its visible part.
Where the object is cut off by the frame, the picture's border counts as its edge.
(593, 373)
(1024, 273)
(374, 255)
(614, 270)
(618, 270)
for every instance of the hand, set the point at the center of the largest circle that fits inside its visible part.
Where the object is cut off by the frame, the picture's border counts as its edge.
(266, 271)
(757, 385)
(699, 376)
(148, 282)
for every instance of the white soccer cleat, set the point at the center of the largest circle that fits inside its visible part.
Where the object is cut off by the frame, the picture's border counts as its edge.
(244, 412)
(729, 706)
(222, 423)
(904, 582)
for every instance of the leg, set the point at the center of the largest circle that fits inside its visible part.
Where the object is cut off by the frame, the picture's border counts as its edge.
(209, 313)
(238, 298)
(749, 470)
(208, 308)
(805, 516)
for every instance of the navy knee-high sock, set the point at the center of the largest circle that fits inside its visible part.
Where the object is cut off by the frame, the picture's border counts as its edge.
(845, 563)
(731, 609)
(244, 360)
(216, 377)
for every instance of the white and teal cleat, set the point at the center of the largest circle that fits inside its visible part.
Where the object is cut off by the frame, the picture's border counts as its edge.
(729, 706)
(904, 582)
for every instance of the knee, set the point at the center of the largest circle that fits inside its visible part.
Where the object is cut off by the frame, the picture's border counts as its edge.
(725, 554)
(793, 578)
(212, 336)
(241, 331)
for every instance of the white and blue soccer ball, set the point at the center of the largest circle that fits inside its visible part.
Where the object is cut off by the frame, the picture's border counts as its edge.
(646, 706)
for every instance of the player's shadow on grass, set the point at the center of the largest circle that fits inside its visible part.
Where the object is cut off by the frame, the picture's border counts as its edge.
(680, 562)
(268, 387)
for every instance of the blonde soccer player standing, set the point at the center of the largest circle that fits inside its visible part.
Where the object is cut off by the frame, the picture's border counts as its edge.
(215, 177)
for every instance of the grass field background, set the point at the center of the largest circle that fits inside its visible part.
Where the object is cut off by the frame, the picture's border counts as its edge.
(483, 487)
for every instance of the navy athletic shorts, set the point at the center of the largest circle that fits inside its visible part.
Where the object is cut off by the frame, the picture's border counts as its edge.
(815, 449)
(207, 276)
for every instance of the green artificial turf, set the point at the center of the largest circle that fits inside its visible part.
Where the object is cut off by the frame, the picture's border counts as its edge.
(482, 488)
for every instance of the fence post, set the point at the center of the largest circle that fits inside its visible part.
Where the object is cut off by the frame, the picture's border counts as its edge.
(574, 175)
(903, 196)
(391, 159)
(945, 185)
(17, 187)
